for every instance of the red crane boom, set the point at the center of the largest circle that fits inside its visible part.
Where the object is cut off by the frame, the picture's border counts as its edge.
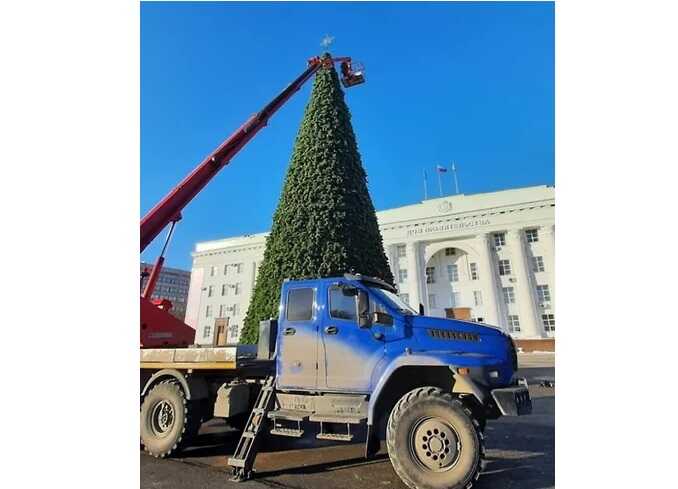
(158, 327)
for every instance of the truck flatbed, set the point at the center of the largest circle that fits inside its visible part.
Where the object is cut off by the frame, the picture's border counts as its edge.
(230, 358)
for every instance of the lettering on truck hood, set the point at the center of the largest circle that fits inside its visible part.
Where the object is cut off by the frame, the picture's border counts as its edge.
(444, 337)
(429, 322)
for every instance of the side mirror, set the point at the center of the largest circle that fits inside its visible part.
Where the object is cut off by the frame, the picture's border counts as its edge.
(363, 305)
(382, 318)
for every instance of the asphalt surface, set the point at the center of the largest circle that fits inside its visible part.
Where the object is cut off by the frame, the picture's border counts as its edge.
(520, 453)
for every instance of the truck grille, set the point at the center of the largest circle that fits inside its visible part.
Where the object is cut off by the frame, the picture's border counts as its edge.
(444, 334)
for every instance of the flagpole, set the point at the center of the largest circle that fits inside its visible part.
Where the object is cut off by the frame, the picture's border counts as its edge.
(425, 186)
(454, 174)
(440, 182)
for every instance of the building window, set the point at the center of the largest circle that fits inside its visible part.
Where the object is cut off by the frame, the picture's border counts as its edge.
(504, 267)
(509, 295)
(222, 310)
(402, 275)
(537, 263)
(208, 311)
(213, 271)
(543, 293)
(474, 271)
(210, 291)
(207, 332)
(432, 301)
(401, 251)
(237, 266)
(455, 299)
(238, 288)
(235, 309)
(234, 331)
(477, 298)
(342, 306)
(453, 273)
(549, 321)
(450, 251)
(532, 235)
(405, 298)
(430, 275)
(300, 304)
(224, 289)
(513, 323)
(499, 239)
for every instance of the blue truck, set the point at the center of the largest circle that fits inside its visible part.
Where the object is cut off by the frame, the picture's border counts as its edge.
(345, 358)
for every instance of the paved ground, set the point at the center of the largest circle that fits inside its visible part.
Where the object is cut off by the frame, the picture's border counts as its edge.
(520, 454)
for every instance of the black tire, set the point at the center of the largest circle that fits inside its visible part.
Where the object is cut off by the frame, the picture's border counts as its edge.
(167, 420)
(196, 417)
(238, 422)
(433, 441)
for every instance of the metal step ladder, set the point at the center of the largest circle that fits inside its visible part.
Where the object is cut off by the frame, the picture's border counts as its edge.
(242, 460)
(282, 416)
(334, 420)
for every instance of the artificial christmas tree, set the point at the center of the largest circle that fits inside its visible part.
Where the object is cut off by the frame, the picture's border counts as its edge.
(325, 224)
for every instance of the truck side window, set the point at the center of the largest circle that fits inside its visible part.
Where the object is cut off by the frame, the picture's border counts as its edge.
(300, 305)
(376, 306)
(342, 306)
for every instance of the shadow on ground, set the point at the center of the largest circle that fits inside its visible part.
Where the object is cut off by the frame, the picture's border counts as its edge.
(520, 455)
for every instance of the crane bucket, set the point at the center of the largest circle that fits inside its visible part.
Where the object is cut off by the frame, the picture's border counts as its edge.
(352, 73)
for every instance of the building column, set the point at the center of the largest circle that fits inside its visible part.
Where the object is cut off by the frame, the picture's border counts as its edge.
(489, 280)
(414, 276)
(392, 255)
(253, 276)
(549, 233)
(521, 269)
(194, 300)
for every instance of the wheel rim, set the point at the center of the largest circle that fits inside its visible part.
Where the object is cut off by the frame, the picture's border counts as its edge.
(162, 418)
(434, 444)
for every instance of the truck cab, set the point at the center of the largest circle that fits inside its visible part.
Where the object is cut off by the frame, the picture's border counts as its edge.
(350, 334)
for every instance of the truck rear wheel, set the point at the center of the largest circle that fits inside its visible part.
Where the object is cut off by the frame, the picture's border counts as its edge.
(433, 441)
(166, 420)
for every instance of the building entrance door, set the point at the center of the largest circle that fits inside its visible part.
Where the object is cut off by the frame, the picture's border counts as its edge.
(220, 327)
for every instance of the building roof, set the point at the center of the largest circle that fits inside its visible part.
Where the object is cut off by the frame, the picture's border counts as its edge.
(166, 269)
(457, 204)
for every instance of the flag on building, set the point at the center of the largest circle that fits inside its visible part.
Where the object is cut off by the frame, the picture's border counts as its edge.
(441, 169)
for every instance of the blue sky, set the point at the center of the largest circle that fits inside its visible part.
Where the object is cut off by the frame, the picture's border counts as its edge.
(469, 82)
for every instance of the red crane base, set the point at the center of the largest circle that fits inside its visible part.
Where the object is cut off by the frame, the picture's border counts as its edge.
(160, 329)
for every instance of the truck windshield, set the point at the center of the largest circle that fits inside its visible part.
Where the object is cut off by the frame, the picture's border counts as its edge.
(394, 301)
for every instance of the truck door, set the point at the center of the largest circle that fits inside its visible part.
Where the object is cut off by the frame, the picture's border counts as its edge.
(297, 355)
(350, 353)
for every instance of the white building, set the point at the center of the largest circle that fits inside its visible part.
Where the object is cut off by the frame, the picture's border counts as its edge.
(488, 255)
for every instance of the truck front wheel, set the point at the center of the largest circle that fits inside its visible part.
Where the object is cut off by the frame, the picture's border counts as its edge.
(166, 421)
(433, 441)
